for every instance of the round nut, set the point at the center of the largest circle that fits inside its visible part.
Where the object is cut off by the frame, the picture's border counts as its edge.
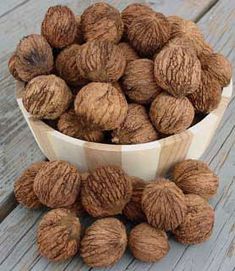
(129, 53)
(108, 110)
(104, 243)
(198, 223)
(164, 204)
(33, 57)
(12, 67)
(58, 235)
(148, 244)
(106, 191)
(171, 115)
(59, 26)
(57, 184)
(195, 177)
(46, 96)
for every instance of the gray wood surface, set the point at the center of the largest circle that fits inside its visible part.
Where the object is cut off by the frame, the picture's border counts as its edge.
(17, 231)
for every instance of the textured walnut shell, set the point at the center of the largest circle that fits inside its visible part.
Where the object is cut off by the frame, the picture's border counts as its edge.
(101, 21)
(149, 33)
(23, 187)
(59, 26)
(33, 57)
(106, 191)
(58, 235)
(138, 81)
(104, 243)
(207, 96)
(198, 223)
(100, 106)
(171, 115)
(70, 125)
(46, 96)
(136, 128)
(164, 204)
(12, 67)
(57, 184)
(79, 34)
(148, 244)
(129, 53)
(195, 177)
(101, 61)
(177, 70)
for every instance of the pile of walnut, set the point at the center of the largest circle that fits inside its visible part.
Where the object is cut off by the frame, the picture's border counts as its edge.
(124, 78)
(178, 205)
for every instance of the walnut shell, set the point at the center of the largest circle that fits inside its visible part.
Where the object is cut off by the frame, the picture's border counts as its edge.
(101, 61)
(133, 209)
(148, 244)
(46, 96)
(57, 184)
(23, 187)
(100, 106)
(79, 34)
(138, 81)
(12, 67)
(198, 223)
(101, 21)
(207, 96)
(195, 177)
(70, 125)
(33, 57)
(106, 191)
(58, 235)
(149, 33)
(59, 26)
(129, 53)
(171, 115)
(136, 127)
(177, 70)
(163, 204)
(104, 243)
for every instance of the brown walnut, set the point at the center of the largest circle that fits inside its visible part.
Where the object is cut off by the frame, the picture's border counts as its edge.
(58, 235)
(148, 244)
(100, 106)
(33, 57)
(136, 128)
(171, 115)
(57, 184)
(59, 26)
(46, 96)
(104, 243)
(163, 204)
(79, 34)
(106, 191)
(198, 223)
(12, 67)
(195, 177)
(128, 52)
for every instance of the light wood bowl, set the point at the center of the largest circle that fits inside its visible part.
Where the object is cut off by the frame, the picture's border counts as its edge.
(145, 161)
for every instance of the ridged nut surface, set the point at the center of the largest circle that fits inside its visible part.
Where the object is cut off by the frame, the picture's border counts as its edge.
(129, 53)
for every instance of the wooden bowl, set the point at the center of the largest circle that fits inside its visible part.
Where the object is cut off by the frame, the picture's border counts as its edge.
(145, 161)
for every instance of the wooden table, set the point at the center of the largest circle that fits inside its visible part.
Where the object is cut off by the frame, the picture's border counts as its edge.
(18, 149)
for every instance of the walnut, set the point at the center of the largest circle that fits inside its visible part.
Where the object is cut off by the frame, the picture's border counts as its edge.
(23, 187)
(101, 106)
(198, 223)
(33, 57)
(138, 81)
(148, 244)
(106, 191)
(128, 52)
(12, 67)
(149, 33)
(171, 115)
(58, 235)
(103, 22)
(208, 95)
(177, 70)
(195, 177)
(70, 125)
(79, 34)
(46, 96)
(133, 210)
(163, 204)
(76, 208)
(57, 184)
(101, 61)
(59, 26)
(136, 127)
